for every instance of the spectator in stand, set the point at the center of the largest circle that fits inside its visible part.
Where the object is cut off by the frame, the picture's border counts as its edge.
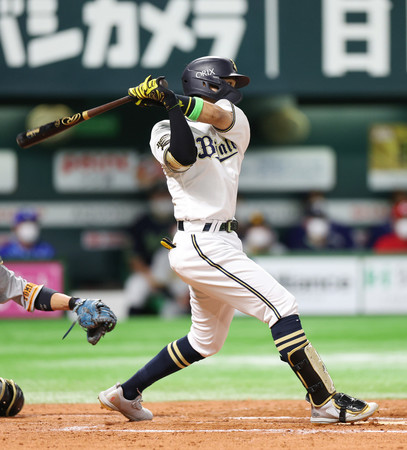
(396, 240)
(259, 238)
(386, 227)
(26, 243)
(317, 231)
(152, 287)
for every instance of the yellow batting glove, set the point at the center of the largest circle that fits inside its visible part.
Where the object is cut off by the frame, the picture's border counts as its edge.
(153, 91)
(148, 89)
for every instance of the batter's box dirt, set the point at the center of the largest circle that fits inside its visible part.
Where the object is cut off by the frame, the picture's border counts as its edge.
(205, 425)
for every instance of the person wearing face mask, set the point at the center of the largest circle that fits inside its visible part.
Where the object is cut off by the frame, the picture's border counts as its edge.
(396, 240)
(260, 238)
(150, 276)
(26, 243)
(317, 232)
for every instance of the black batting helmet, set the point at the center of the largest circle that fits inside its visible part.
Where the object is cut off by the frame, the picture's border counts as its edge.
(204, 77)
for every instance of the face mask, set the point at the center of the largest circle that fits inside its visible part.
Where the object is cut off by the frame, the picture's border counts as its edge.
(161, 207)
(400, 228)
(259, 238)
(317, 228)
(28, 232)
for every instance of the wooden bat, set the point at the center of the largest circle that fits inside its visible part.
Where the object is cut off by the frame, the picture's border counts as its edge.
(28, 138)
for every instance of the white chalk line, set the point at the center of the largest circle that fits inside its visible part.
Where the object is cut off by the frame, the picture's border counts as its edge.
(344, 430)
(275, 418)
(378, 420)
(235, 430)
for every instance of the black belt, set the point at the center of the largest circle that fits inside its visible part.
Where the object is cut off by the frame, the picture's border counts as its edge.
(229, 226)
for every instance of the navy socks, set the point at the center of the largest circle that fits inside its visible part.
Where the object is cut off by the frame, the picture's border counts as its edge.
(288, 335)
(175, 356)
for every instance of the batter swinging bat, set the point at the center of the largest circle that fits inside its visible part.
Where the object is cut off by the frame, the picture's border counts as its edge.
(37, 135)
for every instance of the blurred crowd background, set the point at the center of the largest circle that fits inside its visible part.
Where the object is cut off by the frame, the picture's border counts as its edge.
(325, 174)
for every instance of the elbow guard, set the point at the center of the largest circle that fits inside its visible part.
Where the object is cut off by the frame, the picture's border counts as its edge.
(175, 165)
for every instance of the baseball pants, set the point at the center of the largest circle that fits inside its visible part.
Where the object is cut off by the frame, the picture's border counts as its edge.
(222, 279)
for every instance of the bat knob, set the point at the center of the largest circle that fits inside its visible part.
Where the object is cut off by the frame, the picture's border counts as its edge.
(164, 83)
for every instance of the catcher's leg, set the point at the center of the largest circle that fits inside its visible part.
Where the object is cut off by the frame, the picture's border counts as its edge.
(327, 406)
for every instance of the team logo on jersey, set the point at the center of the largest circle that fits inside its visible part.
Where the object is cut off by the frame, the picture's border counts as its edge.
(164, 142)
(29, 294)
(209, 148)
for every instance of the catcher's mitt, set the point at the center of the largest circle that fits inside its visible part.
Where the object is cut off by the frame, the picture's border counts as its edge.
(11, 398)
(95, 317)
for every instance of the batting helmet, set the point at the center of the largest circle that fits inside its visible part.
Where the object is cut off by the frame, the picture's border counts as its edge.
(11, 398)
(204, 77)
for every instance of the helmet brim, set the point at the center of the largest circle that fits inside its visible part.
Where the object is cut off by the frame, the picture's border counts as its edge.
(241, 80)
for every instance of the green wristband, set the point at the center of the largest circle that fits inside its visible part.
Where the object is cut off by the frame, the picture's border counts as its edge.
(191, 107)
(196, 112)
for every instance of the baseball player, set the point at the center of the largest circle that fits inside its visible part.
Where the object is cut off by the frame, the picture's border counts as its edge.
(201, 149)
(93, 315)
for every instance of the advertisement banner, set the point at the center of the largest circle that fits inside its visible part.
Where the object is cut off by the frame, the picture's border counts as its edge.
(98, 47)
(50, 273)
(8, 171)
(388, 157)
(96, 171)
(343, 284)
(385, 280)
(298, 169)
(321, 284)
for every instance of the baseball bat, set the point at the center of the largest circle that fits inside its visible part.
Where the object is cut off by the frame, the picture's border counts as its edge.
(35, 136)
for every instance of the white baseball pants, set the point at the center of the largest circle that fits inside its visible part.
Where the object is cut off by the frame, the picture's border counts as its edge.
(222, 279)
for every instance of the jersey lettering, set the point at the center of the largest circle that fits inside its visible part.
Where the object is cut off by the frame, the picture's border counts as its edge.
(208, 148)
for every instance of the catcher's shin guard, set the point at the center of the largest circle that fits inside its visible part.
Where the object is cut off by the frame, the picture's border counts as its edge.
(308, 366)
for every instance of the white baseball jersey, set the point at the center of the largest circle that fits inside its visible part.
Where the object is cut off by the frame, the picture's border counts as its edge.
(208, 190)
(220, 275)
(17, 289)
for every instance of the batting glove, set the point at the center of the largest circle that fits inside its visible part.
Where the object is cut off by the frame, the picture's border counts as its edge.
(156, 90)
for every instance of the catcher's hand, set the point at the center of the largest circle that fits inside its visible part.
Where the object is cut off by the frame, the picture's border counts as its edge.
(96, 318)
(153, 91)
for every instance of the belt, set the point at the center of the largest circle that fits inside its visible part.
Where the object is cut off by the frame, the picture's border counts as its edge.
(229, 226)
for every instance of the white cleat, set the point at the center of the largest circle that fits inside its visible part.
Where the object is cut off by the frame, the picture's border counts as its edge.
(343, 408)
(113, 399)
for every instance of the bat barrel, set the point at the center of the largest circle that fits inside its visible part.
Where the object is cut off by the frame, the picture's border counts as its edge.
(28, 138)
(39, 134)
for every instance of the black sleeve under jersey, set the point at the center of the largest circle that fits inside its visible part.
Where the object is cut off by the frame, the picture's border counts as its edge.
(43, 300)
(182, 144)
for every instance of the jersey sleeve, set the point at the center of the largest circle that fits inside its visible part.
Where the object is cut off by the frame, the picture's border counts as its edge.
(17, 289)
(239, 130)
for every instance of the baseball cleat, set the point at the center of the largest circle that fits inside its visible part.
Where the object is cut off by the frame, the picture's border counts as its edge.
(343, 408)
(113, 399)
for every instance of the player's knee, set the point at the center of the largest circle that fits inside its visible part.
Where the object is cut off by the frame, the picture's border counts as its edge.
(288, 305)
(209, 350)
(205, 347)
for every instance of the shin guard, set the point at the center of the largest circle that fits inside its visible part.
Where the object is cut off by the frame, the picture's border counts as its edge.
(308, 366)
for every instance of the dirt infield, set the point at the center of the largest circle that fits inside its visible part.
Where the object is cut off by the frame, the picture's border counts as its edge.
(202, 425)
